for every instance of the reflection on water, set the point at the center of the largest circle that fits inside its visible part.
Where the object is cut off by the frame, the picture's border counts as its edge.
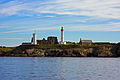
(56, 68)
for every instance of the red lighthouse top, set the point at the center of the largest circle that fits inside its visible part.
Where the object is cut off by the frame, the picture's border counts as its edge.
(62, 29)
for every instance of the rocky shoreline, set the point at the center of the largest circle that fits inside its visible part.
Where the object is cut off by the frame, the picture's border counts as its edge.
(25, 51)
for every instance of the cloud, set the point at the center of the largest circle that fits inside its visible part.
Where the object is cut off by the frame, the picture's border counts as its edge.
(12, 38)
(69, 27)
(9, 44)
(31, 29)
(95, 8)
(49, 16)
(97, 27)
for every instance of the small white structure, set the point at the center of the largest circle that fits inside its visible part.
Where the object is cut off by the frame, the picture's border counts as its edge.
(34, 39)
(62, 36)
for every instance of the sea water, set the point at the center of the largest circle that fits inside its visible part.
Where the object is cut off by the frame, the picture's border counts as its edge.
(59, 68)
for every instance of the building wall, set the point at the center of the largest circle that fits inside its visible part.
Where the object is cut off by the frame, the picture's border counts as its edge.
(85, 42)
(50, 40)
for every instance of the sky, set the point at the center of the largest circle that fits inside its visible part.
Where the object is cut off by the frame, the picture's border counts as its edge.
(97, 20)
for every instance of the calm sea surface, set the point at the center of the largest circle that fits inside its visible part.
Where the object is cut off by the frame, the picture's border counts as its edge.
(59, 68)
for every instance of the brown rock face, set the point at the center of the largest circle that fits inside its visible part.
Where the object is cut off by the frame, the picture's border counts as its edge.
(116, 50)
(100, 51)
(1, 53)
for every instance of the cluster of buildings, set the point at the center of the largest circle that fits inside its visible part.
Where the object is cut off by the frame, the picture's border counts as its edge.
(54, 40)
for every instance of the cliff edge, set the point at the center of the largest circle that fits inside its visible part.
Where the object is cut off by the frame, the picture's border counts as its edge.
(63, 51)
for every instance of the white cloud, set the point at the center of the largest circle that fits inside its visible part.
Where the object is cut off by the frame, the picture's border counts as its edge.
(31, 29)
(94, 8)
(12, 38)
(49, 16)
(98, 27)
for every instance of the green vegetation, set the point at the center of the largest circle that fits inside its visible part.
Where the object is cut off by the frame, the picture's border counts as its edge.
(6, 49)
(57, 46)
(71, 46)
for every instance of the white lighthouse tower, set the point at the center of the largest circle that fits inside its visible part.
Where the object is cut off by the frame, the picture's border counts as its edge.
(62, 36)
(34, 39)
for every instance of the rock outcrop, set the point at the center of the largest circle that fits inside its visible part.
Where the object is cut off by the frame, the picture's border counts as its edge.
(33, 51)
(116, 50)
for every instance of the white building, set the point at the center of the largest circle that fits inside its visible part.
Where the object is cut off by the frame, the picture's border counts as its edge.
(34, 39)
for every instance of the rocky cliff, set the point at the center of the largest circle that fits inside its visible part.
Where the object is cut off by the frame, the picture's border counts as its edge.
(81, 51)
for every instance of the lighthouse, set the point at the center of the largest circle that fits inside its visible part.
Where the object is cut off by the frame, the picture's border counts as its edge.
(62, 36)
(34, 39)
